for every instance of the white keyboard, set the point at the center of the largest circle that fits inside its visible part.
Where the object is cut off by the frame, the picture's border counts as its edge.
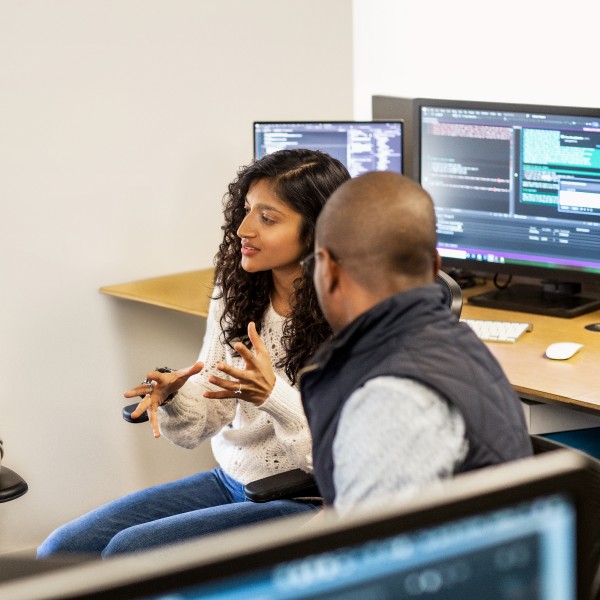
(498, 331)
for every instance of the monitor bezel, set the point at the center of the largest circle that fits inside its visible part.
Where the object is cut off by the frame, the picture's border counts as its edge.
(539, 273)
(256, 547)
(399, 122)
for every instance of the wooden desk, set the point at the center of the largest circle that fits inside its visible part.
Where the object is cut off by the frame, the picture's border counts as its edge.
(184, 292)
(574, 383)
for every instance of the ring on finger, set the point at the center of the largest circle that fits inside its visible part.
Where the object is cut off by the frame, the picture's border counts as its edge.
(150, 385)
(239, 390)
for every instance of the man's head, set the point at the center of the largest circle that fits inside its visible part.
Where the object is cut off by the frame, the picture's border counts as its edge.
(375, 237)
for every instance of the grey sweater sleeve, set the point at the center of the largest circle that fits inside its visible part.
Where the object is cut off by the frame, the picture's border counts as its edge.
(394, 436)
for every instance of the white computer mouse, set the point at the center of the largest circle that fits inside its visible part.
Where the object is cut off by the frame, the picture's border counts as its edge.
(562, 350)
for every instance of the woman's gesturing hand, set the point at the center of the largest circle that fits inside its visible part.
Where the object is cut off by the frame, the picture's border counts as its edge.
(252, 384)
(157, 387)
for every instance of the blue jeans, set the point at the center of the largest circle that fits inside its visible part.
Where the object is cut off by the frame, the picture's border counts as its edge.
(166, 514)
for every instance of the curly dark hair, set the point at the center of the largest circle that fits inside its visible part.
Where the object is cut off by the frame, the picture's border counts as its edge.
(303, 179)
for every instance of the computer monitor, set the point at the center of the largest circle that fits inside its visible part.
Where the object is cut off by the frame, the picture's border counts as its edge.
(384, 108)
(520, 530)
(517, 191)
(360, 145)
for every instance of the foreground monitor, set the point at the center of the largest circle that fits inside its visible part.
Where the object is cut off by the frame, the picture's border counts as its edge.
(519, 531)
(517, 192)
(360, 145)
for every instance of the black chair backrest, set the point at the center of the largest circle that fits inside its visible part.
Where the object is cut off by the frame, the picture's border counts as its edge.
(452, 292)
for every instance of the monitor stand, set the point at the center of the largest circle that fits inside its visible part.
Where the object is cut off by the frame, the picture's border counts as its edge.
(539, 299)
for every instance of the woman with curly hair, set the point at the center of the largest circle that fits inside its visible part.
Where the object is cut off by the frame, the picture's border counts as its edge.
(264, 322)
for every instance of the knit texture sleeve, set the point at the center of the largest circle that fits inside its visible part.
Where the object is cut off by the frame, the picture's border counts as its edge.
(284, 405)
(189, 418)
(394, 437)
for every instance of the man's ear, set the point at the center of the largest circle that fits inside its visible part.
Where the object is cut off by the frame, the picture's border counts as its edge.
(330, 272)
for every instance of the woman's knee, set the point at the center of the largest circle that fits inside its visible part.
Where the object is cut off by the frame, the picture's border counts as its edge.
(49, 547)
(61, 541)
(132, 539)
(119, 544)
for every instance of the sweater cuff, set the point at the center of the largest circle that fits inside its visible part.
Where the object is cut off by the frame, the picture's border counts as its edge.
(182, 403)
(284, 405)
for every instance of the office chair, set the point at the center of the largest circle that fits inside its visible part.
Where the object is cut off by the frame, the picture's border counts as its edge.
(12, 485)
(453, 295)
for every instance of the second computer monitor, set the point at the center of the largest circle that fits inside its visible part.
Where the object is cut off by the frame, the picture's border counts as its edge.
(517, 192)
(361, 145)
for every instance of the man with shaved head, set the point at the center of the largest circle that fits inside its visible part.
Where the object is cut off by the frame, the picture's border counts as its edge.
(403, 394)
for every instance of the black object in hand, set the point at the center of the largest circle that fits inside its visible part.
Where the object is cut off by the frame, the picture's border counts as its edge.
(127, 410)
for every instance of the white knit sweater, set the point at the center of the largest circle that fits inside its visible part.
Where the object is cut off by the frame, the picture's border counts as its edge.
(248, 442)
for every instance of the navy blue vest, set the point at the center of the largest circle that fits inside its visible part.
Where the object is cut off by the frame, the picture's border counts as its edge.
(414, 335)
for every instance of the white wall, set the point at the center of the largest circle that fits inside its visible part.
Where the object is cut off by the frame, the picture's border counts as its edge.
(121, 123)
(510, 51)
